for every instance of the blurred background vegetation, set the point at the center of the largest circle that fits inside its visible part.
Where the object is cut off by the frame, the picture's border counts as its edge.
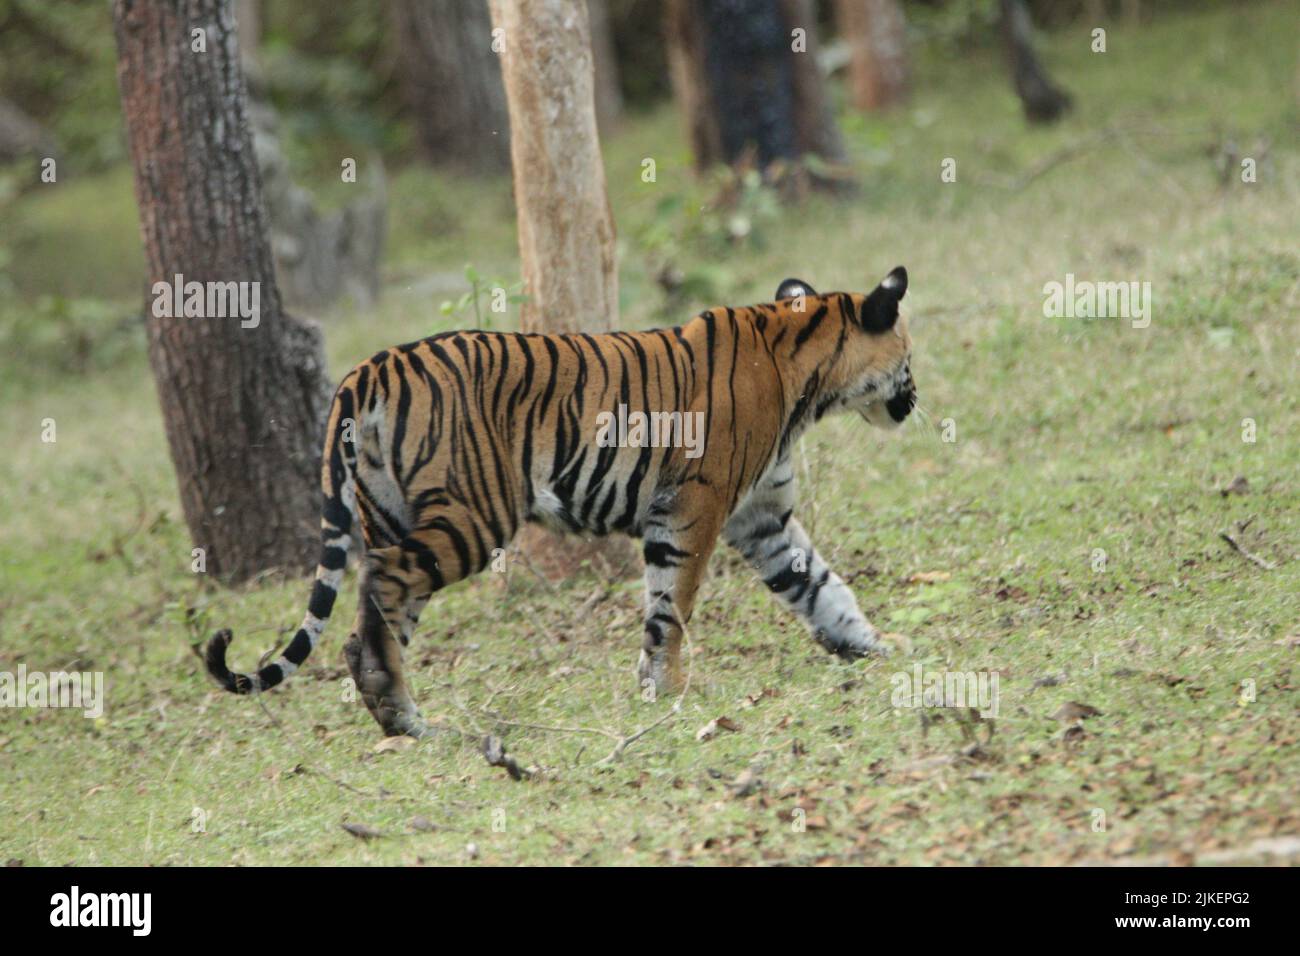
(331, 73)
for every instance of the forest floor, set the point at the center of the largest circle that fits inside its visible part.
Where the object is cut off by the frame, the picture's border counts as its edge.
(1060, 522)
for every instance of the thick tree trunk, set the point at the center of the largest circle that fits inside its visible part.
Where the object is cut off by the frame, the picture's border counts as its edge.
(243, 404)
(1043, 100)
(451, 79)
(876, 33)
(566, 229)
(747, 83)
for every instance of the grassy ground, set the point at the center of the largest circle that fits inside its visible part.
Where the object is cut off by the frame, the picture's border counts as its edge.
(1068, 538)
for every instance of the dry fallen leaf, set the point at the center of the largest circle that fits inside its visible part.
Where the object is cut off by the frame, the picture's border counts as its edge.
(361, 831)
(747, 783)
(1238, 486)
(752, 700)
(392, 745)
(1073, 710)
(928, 577)
(710, 730)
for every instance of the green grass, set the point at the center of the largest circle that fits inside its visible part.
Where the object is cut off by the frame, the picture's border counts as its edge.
(1070, 436)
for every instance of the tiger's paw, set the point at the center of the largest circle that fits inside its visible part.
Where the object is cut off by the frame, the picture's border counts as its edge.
(656, 676)
(861, 642)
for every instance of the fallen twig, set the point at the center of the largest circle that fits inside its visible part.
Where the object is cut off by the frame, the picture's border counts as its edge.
(676, 708)
(1252, 558)
(494, 752)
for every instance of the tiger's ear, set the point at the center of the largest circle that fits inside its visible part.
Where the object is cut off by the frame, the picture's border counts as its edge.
(793, 288)
(880, 308)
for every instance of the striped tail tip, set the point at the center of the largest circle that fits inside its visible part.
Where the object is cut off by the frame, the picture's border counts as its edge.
(214, 656)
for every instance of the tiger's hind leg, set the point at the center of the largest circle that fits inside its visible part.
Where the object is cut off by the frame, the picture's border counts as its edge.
(374, 657)
(398, 583)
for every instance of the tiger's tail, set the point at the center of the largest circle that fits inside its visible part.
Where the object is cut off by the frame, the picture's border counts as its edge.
(338, 485)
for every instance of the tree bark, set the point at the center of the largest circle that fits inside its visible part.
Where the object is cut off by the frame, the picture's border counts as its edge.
(566, 229)
(1043, 100)
(243, 407)
(741, 85)
(451, 80)
(609, 97)
(876, 33)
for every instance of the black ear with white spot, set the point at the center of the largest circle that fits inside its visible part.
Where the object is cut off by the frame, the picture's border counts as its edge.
(793, 288)
(880, 310)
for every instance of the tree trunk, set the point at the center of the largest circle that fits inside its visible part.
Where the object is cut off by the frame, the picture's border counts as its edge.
(243, 397)
(609, 97)
(566, 230)
(876, 34)
(248, 24)
(451, 80)
(20, 135)
(320, 255)
(743, 87)
(1043, 101)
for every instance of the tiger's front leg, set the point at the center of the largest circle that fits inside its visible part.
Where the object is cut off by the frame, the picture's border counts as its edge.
(778, 548)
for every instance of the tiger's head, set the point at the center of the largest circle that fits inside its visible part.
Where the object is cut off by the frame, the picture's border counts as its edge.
(873, 371)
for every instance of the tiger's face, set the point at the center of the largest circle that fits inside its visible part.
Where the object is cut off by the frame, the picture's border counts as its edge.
(874, 374)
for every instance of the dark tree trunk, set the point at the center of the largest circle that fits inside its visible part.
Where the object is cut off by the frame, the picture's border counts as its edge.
(243, 406)
(451, 80)
(1043, 100)
(742, 87)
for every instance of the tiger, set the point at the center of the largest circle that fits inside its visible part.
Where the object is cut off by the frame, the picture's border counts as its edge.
(441, 449)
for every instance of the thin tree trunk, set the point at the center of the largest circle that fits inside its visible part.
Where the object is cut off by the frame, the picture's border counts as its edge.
(243, 404)
(566, 229)
(686, 55)
(609, 97)
(451, 80)
(1043, 100)
(876, 34)
(743, 87)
